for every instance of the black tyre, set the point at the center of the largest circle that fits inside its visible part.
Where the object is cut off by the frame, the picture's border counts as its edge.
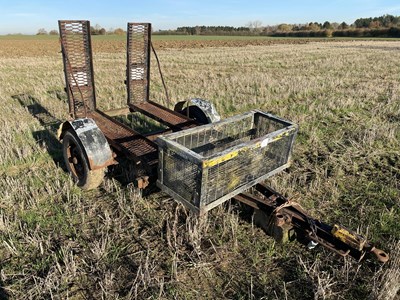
(195, 113)
(77, 164)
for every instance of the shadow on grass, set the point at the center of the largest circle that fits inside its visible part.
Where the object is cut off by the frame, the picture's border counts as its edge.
(46, 136)
(3, 293)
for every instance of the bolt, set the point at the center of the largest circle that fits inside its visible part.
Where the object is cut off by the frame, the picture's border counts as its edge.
(311, 245)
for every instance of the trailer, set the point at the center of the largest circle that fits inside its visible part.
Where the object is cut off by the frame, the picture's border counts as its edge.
(197, 159)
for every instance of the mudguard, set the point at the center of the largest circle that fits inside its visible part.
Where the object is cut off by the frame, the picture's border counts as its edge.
(205, 106)
(94, 143)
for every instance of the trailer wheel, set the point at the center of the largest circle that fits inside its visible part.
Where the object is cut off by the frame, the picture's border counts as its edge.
(195, 113)
(77, 164)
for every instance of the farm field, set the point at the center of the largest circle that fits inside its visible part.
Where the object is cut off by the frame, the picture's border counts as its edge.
(26, 45)
(37, 45)
(60, 242)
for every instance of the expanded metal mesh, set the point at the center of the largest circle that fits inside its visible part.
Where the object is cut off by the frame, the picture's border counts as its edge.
(247, 166)
(181, 176)
(78, 68)
(138, 53)
(213, 140)
(230, 155)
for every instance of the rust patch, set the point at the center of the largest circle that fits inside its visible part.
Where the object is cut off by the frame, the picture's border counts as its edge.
(142, 182)
(109, 162)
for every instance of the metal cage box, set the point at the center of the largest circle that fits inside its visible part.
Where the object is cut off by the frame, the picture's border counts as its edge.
(207, 165)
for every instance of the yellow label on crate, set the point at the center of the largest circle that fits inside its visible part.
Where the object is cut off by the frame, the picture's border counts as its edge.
(279, 136)
(221, 159)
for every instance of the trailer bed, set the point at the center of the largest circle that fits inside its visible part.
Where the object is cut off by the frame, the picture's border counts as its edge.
(164, 115)
(123, 138)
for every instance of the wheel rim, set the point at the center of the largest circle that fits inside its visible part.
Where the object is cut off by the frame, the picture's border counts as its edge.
(75, 160)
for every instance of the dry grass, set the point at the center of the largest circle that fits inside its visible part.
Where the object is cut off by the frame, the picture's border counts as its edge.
(388, 278)
(60, 242)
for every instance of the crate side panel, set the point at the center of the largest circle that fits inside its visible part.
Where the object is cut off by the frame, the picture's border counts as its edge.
(245, 167)
(265, 125)
(180, 175)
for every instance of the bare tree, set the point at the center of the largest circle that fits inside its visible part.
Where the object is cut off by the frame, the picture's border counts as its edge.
(257, 25)
(254, 25)
(41, 31)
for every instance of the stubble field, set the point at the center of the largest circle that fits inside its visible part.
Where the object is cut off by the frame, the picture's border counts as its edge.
(60, 242)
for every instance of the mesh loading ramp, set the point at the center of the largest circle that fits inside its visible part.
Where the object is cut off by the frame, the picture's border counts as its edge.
(138, 79)
(78, 66)
(138, 62)
(79, 77)
(207, 165)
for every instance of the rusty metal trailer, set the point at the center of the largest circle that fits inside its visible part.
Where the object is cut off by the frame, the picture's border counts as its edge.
(197, 164)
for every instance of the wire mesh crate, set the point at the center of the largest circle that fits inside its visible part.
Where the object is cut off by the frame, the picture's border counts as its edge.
(207, 165)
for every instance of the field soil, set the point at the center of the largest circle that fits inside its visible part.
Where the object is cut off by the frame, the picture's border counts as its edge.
(16, 46)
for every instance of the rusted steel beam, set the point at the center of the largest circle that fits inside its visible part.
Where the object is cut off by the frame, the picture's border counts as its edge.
(284, 219)
(117, 112)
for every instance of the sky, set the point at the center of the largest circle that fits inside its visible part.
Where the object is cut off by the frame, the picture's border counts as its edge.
(28, 16)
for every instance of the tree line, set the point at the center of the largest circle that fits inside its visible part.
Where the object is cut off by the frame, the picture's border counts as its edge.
(212, 30)
(385, 21)
(383, 26)
(98, 30)
(94, 30)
